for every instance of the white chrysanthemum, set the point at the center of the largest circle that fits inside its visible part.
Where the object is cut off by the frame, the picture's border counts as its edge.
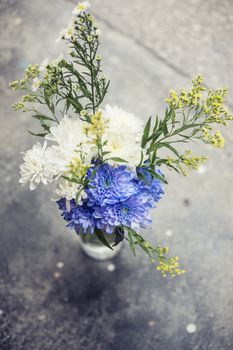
(69, 131)
(37, 167)
(123, 134)
(81, 7)
(71, 140)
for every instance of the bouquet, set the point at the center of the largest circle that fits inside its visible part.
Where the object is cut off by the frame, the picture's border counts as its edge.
(105, 166)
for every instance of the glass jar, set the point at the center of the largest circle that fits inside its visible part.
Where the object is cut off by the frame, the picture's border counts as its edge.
(95, 249)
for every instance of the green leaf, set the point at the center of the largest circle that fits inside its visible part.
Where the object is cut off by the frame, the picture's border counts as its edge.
(42, 117)
(157, 176)
(71, 180)
(156, 124)
(183, 128)
(78, 195)
(105, 153)
(173, 167)
(40, 135)
(45, 127)
(143, 178)
(146, 133)
(141, 160)
(165, 129)
(102, 239)
(75, 104)
(67, 105)
(153, 157)
(167, 145)
(161, 178)
(131, 241)
(46, 97)
(119, 232)
(117, 159)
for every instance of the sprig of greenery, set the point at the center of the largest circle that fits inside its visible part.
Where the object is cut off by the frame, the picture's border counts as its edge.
(84, 44)
(157, 255)
(190, 116)
(78, 83)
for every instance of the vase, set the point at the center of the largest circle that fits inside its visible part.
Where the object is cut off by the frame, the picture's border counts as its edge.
(95, 249)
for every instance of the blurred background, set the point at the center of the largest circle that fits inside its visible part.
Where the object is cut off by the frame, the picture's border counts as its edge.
(51, 295)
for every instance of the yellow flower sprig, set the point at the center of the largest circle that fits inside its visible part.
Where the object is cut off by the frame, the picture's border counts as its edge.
(169, 266)
(191, 115)
(95, 130)
(187, 98)
(186, 160)
(78, 168)
(157, 255)
(217, 140)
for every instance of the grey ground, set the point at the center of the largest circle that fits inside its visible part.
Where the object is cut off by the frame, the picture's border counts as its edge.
(148, 48)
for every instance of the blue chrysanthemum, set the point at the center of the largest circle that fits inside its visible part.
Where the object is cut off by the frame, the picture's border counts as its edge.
(80, 217)
(115, 197)
(110, 185)
(131, 213)
(151, 185)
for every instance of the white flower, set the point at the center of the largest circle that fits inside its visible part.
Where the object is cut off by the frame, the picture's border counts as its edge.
(43, 65)
(67, 33)
(81, 7)
(36, 83)
(53, 62)
(61, 35)
(123, 134)
(98, 32)
(37, 167)
(57, 60)
(66, 189)
(70, 138)
(69, 131)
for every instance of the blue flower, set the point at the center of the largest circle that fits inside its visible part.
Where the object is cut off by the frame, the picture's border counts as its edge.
(110, 185)
(151, 185)
(134, 213)
(83, 219)
(80, 217)
(115, 197)
(62, 204)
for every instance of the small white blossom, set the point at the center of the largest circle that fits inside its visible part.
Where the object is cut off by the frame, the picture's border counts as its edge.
(44, 64)
(67, 33)
(98, 32)
(61, 35)
(66, 189)
(81, 7)
(57, 60)
(36, 83)
(37, 167)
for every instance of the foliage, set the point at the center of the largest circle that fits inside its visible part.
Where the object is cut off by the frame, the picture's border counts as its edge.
(189, 116)
(78, 84)
(157, 254)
